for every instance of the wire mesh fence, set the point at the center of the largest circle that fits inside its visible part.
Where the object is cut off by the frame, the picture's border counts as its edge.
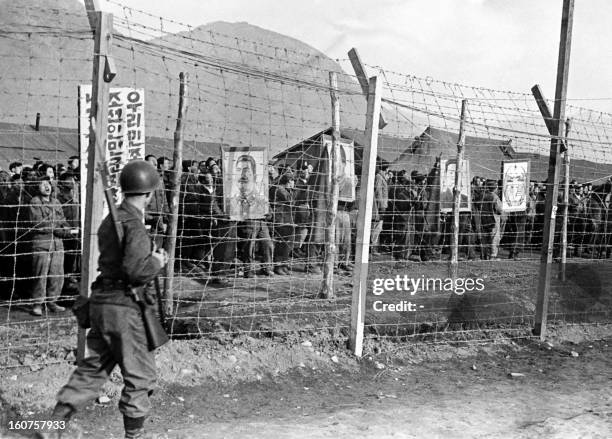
(253, 214)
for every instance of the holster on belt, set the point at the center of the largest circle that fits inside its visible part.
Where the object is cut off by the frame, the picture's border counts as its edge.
(156, 334)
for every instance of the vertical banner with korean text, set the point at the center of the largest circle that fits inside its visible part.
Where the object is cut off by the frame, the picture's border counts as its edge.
(125, 136)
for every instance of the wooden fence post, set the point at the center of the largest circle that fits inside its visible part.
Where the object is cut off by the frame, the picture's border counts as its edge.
(177, 160)
(360, 72)
(454, 260)
(98, 125)
(550, 210)
(327, 285)
(364, 218)
(566, 167)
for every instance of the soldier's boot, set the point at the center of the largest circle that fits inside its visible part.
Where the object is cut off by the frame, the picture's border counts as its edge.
(61, 412)
(134, 427)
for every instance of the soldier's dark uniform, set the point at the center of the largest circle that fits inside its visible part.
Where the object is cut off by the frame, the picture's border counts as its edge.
(117, 335)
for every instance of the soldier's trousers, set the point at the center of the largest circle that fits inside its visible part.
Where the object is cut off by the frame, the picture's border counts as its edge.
(117, 337)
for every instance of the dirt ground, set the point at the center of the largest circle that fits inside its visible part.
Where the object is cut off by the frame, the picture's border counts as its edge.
(243, 387)
(266, 358)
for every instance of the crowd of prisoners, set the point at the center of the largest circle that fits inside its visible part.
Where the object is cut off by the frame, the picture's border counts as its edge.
(41, 224)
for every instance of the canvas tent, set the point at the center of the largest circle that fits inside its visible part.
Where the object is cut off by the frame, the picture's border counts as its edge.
(309, 150)
(485, 155)
(580, 170)
(25, 144)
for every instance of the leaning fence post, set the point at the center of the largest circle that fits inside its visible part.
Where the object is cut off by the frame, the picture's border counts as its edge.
(327, 286)
(98, 125)
(565, 44)
(454, 260)
(177, 160)
(364, 218)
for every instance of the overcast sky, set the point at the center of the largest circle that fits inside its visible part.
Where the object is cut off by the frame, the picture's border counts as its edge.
(500, 44)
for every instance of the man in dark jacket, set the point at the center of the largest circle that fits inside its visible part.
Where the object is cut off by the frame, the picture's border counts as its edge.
(404, 196)
(189, 230)
(157, 214)
(117, 335)
(380, 204)
(210, 214)
(282, 222)
(70, 205)
(302, 210)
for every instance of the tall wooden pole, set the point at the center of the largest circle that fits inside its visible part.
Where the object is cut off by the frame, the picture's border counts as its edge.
(364, 217)
(546, 113)
(566, 186)
(454, 260)
(360, 73)
(177, 160)
(97, 142)
(327, 286)
(553, 170)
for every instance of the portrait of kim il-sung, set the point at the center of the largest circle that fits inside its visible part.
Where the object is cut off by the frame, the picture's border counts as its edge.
(245, 182)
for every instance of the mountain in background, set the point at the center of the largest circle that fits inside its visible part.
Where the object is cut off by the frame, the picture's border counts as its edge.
(247, 86)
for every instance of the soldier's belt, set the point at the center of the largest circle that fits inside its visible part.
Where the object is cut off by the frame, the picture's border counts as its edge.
(118, 284)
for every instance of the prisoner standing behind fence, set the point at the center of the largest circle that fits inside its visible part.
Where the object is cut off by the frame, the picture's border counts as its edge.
(117, 335)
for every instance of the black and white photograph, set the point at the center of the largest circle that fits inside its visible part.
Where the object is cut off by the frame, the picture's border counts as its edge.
(245, 181)
(305, 219)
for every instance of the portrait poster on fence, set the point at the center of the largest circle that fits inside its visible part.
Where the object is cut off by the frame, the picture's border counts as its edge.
(125, 133)
(346, 168)
(447, 183)
(515, 189)
(245, 182)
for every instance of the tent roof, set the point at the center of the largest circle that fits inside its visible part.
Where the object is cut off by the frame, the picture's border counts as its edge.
(581, 170)
(388, 147)
(485, 155)
(25, 144)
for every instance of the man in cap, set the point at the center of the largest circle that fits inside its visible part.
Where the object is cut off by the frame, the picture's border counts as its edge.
(380, 204)
(477, 189)
(117, 335)
(575, 211)
(420, 204)
(302, 208)
(490, 217)
(158, 211)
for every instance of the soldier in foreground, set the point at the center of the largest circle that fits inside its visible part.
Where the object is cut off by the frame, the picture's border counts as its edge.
(117, 335)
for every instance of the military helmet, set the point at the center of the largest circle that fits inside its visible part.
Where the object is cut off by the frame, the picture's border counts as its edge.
(138, 177)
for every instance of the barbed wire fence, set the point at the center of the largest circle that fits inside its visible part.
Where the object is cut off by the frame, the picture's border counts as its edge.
(42, 67)
(256, 267)
(423, 122)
